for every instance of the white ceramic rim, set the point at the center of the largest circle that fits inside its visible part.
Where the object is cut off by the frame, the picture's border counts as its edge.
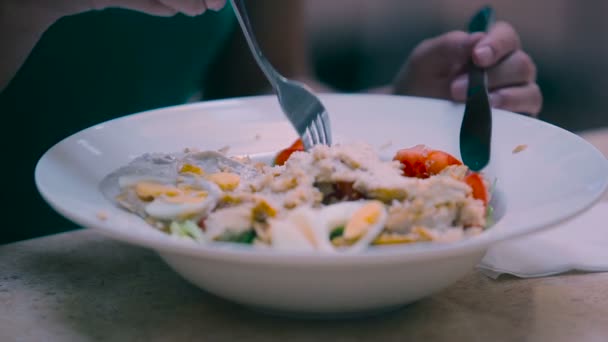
(248, 254)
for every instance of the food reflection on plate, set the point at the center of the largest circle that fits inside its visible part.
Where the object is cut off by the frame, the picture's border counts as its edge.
(338, 199)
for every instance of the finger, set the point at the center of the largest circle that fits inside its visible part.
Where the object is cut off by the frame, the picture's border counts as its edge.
(187, 7)
(458, 88)
(447, 54)
(499, 42)
(152, 7)
(215, 5)
(517, 69)
(522, 99)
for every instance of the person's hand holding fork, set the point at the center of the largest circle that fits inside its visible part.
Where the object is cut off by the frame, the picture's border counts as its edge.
(438, 66)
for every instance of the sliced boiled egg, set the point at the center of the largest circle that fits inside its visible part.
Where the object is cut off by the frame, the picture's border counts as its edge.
(169, 201)
(355, 224)
(300, 230)
(352, 226)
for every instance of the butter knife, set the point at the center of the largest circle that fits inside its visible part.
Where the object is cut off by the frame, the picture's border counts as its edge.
(476, 128)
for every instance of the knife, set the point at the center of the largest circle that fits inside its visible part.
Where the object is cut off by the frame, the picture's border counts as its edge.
(476, 128)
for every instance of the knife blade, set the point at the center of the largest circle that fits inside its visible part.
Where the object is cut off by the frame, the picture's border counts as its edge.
(476, 127)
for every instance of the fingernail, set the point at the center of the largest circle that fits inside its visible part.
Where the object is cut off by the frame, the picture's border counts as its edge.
(459, 88)
(495, 100)
(484, 55)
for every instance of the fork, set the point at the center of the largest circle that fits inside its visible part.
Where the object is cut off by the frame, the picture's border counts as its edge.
(476, 126)
(301, 106)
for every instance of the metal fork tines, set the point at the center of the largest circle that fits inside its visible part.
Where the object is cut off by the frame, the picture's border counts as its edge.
(306, 113)
(301, 106)
(317, 132)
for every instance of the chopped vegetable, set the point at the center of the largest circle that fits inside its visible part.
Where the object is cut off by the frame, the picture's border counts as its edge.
(186, 229)
(489, 216)
(480, 191)
(338, 192)
(332, 198)
(282, 157)
(336, 232)
(201, 223)
(422, 162)
(245, 237)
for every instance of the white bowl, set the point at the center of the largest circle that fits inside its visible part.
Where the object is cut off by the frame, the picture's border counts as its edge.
(558, 176)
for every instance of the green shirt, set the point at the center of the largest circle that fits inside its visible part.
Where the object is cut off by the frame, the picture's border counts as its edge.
(89, 68)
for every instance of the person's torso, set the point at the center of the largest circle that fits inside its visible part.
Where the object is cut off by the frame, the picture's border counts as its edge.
(90, 68)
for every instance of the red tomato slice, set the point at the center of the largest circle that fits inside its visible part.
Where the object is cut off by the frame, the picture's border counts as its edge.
(414, 161)
(439, 160)
(282, 157)
(421, 162)
(480, 191)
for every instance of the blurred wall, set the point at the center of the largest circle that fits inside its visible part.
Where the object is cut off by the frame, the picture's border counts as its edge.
(362, 43)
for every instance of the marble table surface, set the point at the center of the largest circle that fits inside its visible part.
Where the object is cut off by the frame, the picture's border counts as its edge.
(81, 286)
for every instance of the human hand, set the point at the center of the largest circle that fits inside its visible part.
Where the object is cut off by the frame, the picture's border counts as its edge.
(163, 7)
(438, 68)
(59, 8)
(23, 22)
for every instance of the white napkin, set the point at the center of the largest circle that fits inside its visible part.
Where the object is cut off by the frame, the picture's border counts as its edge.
(580, 244)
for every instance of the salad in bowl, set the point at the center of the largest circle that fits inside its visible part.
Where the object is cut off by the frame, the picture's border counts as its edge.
(371, 223)
(338, 199)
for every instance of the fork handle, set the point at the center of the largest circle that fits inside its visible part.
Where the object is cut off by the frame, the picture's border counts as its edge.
(240, 10)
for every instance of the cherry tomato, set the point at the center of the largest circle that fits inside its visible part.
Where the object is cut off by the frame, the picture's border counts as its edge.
(480, 190)
(439, 160)
(422, 162)
(282, 157)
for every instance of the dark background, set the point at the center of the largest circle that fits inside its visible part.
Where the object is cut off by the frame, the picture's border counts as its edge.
(361, 43)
